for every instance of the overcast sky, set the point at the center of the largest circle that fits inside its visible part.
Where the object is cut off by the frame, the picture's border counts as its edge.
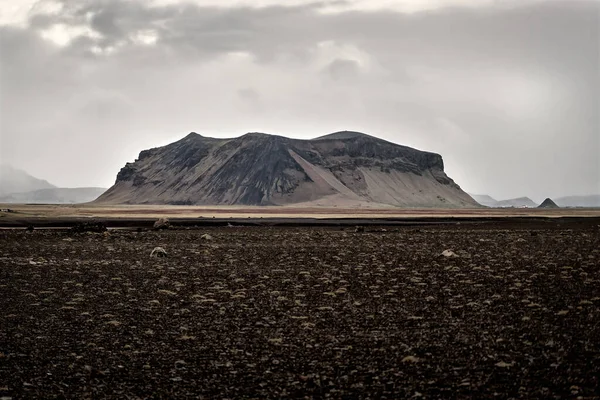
(507, 91)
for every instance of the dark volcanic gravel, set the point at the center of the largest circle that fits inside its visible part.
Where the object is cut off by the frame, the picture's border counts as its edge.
(302, 312)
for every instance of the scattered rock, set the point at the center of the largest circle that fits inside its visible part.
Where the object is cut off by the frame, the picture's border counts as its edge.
(206, 236)
(502, 364)
(162, 223)
(384, 333)
(449, 253)
(96, 227)
(410, 359)
(463, 254)
(158, 252)
(359, 229)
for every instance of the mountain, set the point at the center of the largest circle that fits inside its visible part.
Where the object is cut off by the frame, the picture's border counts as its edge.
(489, 201)
(13, 180)
(341, 169)
(484, 200)
(518, 202)
(579, 201)
(55, 196)
(548, 203)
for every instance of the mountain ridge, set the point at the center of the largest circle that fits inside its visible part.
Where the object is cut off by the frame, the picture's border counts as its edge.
(263, 169)
(15, 180)
(583, 201)
(592, 200)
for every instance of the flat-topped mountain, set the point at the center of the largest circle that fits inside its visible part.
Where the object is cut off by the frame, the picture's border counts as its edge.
(344, 169)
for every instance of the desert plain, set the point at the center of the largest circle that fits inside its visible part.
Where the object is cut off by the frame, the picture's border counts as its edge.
(413, 304)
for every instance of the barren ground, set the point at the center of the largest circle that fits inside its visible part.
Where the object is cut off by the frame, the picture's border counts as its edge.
(274, 312)
(56, 212)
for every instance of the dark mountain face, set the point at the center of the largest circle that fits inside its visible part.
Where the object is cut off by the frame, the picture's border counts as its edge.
(260, 169)
(548, 203)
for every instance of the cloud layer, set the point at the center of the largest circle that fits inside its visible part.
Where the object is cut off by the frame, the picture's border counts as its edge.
(507, 92)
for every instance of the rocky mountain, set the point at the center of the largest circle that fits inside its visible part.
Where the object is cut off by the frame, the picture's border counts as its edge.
(548, 203)
(55, 196)
(341, 169)
(579, 201)
(13, 180)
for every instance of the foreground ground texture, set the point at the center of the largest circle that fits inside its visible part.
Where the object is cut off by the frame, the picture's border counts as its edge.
(261, 312)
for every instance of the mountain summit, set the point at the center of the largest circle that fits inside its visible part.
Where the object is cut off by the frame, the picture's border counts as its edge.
(548, 203)
(343, 168)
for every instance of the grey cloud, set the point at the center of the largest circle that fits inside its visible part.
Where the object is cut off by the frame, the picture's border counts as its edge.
(508, 95)
(249, 94)
(343, 69)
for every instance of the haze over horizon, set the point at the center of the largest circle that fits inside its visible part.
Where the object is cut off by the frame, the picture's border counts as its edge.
(506, 91)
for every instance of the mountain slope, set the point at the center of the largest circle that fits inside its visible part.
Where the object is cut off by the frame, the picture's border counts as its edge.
(13, 180)
(484, 200)
(55, 196)
(548, 203)
(261, 169)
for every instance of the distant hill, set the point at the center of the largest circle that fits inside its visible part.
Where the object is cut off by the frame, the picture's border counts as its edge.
(489, 201)
(579, 201)
(548, 203)
(484, 200)
(13, 180)
(341, 169)
(518, 202)
(55, 196)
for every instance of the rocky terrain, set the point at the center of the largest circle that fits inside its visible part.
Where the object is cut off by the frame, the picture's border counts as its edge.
(502, 310)
(341, 169)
